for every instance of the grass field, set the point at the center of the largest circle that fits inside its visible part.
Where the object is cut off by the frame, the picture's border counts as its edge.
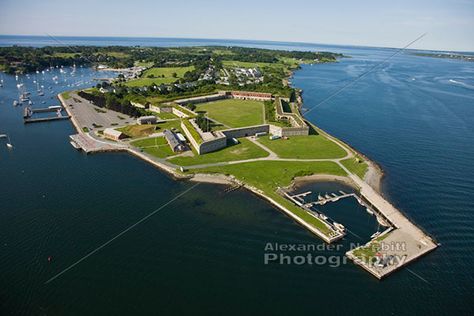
(304, 147)
(234, 113)
(156, 146)
(358, 168)
(66, 95)
(136, 131)
(269, 175)
(161, 76)
(167, 116)
(245, 150)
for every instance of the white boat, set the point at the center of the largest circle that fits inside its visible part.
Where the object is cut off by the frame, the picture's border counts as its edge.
(339, 227)
(9, 145)
(375, 234)
(15, 103)
(75, 145)
(369, 211)
(323, 216)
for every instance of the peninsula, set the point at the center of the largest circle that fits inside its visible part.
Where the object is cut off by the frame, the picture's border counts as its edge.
(226, 115)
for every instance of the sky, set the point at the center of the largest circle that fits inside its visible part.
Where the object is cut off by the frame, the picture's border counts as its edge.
(448, 23)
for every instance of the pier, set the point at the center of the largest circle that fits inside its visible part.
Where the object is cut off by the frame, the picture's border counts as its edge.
(28, 114)
(337, 230)
(88, 144)
(402, 243)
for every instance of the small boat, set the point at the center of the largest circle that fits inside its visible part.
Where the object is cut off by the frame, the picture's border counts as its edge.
(320, 197)
(15, 103)
(369, 211)
(375, 235)
(323, 216)
(75, 145)
(327, 196)
(9, 145)
(334, 194)
(339, 227)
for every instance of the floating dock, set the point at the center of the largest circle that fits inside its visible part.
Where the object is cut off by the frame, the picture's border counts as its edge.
(29, 111)
(337, 231)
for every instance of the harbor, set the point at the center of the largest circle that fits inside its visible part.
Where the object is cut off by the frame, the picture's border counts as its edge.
(396, 241)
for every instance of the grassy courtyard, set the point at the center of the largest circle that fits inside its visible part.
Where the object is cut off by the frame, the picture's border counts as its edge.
(235, 113)
(245, 150)
(156, 146)
(159, 76)
(138, 131)
(304, 147)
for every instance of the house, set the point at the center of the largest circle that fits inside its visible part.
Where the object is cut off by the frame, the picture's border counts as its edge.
(138, 104)
(113, 134)
(173, 141)
(150, 119)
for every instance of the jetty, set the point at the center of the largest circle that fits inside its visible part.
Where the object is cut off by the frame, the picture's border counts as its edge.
(89, 144)
(29, 112)
(394, 248)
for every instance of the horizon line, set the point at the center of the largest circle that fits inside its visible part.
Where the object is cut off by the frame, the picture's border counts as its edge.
(234, 39)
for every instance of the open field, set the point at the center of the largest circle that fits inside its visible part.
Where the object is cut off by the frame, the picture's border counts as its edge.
(136, 131)
(234, 113)
(166, 116)
(304, 147)
(160, 76)
(156, 146)
(358, 168)
(245, 150)
(268, 176)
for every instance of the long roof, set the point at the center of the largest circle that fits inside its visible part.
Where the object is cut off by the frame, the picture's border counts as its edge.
(112, 132)
(171, 138)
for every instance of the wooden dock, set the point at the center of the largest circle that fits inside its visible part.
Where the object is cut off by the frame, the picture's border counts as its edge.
(45, 119)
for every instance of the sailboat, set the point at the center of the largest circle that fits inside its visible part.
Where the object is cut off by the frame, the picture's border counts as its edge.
(39, 89)
(9, 145)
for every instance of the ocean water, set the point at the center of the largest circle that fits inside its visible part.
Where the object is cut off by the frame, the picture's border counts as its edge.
(204, 253)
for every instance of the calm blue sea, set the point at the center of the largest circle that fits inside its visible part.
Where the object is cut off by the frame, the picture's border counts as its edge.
(205, 253)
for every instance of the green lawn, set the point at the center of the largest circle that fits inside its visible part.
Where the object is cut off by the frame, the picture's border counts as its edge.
(269, 175)
(234, 113)
(358, 168)
(166, 116)
(136, 131)
(156, 146)
(66, 95)
(245, 150)
(162, 75)
(304, 147)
